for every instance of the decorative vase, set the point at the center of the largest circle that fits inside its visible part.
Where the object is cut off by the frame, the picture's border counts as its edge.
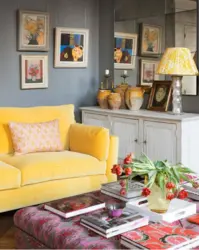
(134, 97)
(102, 98)
(33, 78)
(120, 89)
(114, 101)
(157, 201)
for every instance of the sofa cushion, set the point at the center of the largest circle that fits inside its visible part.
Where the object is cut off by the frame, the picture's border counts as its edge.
(35, 137)
(41, 167)
(10, 177)
(92, 140)
(64, 113)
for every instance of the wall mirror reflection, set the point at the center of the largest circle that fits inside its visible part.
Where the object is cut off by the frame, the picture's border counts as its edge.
(143, 33)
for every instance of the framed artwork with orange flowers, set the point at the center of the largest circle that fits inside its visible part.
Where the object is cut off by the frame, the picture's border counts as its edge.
(33, 31)
(34, 71)
(151, 40)
(71, 48)
(125, 50)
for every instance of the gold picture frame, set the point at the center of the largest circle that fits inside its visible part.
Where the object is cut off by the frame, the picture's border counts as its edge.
(160, 96)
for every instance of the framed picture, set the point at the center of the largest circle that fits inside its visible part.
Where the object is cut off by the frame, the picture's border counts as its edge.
(33, 31)
(151, 40)
(125, 50)
(160, 95)
(71, 48)
(34, 71)
(148, 72)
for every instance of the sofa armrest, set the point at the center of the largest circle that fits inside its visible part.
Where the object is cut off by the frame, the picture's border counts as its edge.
(91, 140)
(112, 158)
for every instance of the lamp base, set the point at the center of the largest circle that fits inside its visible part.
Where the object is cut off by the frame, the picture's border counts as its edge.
(177, 95)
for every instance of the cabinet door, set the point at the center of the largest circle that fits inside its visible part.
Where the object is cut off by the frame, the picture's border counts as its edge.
(160, 141)
(127, 131)
(96, 120)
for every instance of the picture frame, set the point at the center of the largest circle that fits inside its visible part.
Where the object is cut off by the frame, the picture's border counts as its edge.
(34, 71)
(125, 50)
(33, 31)
(160, 96)
(71, 48)
(148, 74)
(151, 40)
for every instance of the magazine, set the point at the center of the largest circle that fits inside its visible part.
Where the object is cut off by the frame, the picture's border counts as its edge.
(158, 236)
(134, 189)
(105, 224)
(76, 205)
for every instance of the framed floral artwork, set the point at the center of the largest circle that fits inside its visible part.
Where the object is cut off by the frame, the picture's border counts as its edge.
(148, 72)
(71, 48)
(160, 96)
(125, 50)
(151, 40)
(34, 71)
(33, 31)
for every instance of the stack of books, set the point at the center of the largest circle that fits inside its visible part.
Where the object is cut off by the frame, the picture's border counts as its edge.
(76, 205)
(133, 194)
(193, 193)
(157, 236)
(106, 226)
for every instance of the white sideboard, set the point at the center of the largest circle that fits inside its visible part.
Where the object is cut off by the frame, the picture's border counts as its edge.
(162, 136)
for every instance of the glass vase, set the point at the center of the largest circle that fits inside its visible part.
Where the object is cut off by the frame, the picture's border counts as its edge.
(157, 201)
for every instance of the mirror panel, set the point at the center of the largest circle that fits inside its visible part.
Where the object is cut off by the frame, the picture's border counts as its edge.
(171, 23)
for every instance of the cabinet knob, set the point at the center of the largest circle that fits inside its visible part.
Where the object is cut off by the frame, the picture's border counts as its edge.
(144, 142)
(136, 140)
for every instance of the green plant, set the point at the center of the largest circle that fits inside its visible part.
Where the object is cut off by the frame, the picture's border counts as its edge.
(166, 176)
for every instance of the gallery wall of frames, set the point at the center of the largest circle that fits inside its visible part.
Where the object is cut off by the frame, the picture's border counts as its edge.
(70, 50)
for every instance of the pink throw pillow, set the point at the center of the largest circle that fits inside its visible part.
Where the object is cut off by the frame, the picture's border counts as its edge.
(35, 137)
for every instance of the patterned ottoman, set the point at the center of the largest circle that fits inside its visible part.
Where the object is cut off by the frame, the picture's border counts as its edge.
(37, 228)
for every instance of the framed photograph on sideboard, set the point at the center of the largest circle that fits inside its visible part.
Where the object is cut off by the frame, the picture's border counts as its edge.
(160, 96)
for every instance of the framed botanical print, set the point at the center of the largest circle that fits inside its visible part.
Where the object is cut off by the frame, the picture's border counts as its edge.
(125, 50)
(33, 31)
(151, 40)
(148, 72)
(71, 48)
(160, 96)
(34, 71)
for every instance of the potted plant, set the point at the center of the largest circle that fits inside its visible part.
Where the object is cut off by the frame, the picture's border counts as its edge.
(161, 179)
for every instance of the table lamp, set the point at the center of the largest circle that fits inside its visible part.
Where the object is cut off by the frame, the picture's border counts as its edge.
(177, 62)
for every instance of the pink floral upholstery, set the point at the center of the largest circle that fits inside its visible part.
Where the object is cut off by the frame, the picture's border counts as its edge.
(39, 229)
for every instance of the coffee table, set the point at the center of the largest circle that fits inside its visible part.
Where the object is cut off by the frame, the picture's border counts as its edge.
(37, 228)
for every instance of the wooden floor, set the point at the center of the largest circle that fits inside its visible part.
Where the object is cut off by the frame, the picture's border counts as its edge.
(7, 231)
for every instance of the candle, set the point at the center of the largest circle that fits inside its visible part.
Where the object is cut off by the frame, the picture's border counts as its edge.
(107, 72)
(125, 72)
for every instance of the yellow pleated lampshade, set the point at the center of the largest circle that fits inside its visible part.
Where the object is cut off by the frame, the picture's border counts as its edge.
(177, 61)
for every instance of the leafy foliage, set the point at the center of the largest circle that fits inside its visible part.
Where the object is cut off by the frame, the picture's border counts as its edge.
(158, 172)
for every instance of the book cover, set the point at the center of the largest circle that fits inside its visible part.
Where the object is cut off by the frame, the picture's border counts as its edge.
(106, 224)
(75, 205)
(158, 236)
(134, 190)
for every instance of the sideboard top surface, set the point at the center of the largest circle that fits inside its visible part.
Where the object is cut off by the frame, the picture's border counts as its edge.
(143, 113)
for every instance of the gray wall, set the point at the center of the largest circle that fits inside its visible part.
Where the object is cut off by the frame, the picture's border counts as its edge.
(106, 38)
(78, 86)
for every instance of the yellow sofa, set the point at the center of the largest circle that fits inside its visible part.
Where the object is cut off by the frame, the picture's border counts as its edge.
(86, 162)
